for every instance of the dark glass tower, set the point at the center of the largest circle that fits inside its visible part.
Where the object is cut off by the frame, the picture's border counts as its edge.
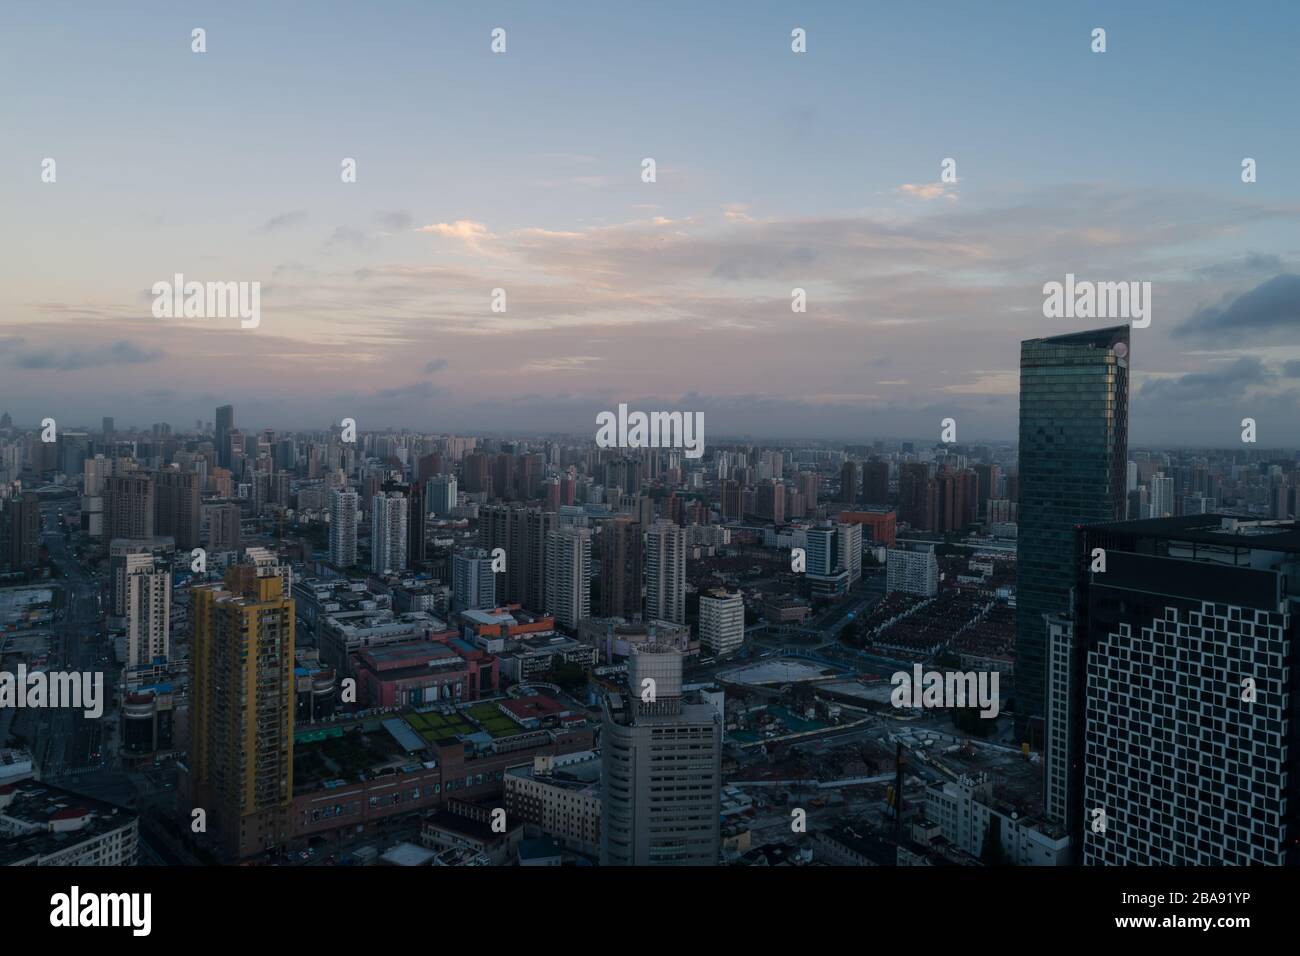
(1073, 471)
(225, 425)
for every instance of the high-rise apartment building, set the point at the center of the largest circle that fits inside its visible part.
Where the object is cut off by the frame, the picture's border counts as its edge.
(1073, 470)
(1162, 497)
(912, 572)
(129, 506)
(343, 527)
(849, 482)
(472, 582)
(620, 569)
(147, 583)
(722, 621)
(22, 531)
(178, 499)
(568, 575)
(661, 775)
(242, 708)
(440, 494)
(522, 533)
(913, 493)
(388, 532)
(875, 483)
(665, 573)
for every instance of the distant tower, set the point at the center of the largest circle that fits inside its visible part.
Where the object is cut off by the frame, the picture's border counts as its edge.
(343, 528)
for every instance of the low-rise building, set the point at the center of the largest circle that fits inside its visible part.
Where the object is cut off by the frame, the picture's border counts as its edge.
(560, 796)
(44, 825)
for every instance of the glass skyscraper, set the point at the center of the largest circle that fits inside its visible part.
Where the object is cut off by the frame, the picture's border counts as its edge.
(1073, 471)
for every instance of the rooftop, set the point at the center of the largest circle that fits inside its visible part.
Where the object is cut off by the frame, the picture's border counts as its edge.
(29, 810)
(1232, 531)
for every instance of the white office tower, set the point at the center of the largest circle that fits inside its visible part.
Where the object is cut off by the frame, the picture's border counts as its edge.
(568, 575)
(440, 495)
(661, 768)
(665, 573)
(722, 622)
(827, 577)
(343, 528)
(913, 572)
(388, 532)
(849, 538)
(148, 582)
(1162, 496)
(473, 585)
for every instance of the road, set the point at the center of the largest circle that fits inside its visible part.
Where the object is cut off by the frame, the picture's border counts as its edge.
(68, 744)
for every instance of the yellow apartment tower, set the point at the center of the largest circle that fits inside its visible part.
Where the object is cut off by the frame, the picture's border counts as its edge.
(241, 708)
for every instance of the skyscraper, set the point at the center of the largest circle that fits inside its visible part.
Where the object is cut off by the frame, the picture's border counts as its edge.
(665, 573)
(22, 527)
(225, 425)
(568, 575)
(661, 757)
(473, 585)
(148, 601)
(440, 492)
(413, 493)
(343, 528)
(620, 569)
(1172, 710)
(241, 708)
(129, 506)
(177, 507)
(388, 531)
(913, 490)
(849, 482)
(1162, 496)
(521, 532)
(1073, 470)
(875, 482)
(722, 621)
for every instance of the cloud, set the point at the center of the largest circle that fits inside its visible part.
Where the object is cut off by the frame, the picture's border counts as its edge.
(346, 235)
(564, 363)
(284, 220)
(1003, 382)
(1270, 310)
(395, 221)
(437, 365)
(1249, 266)
(119, 353)
(472, 234)
(1229, 382)
(929, 191)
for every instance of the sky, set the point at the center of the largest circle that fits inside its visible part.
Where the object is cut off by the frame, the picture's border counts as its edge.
(522, 171)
